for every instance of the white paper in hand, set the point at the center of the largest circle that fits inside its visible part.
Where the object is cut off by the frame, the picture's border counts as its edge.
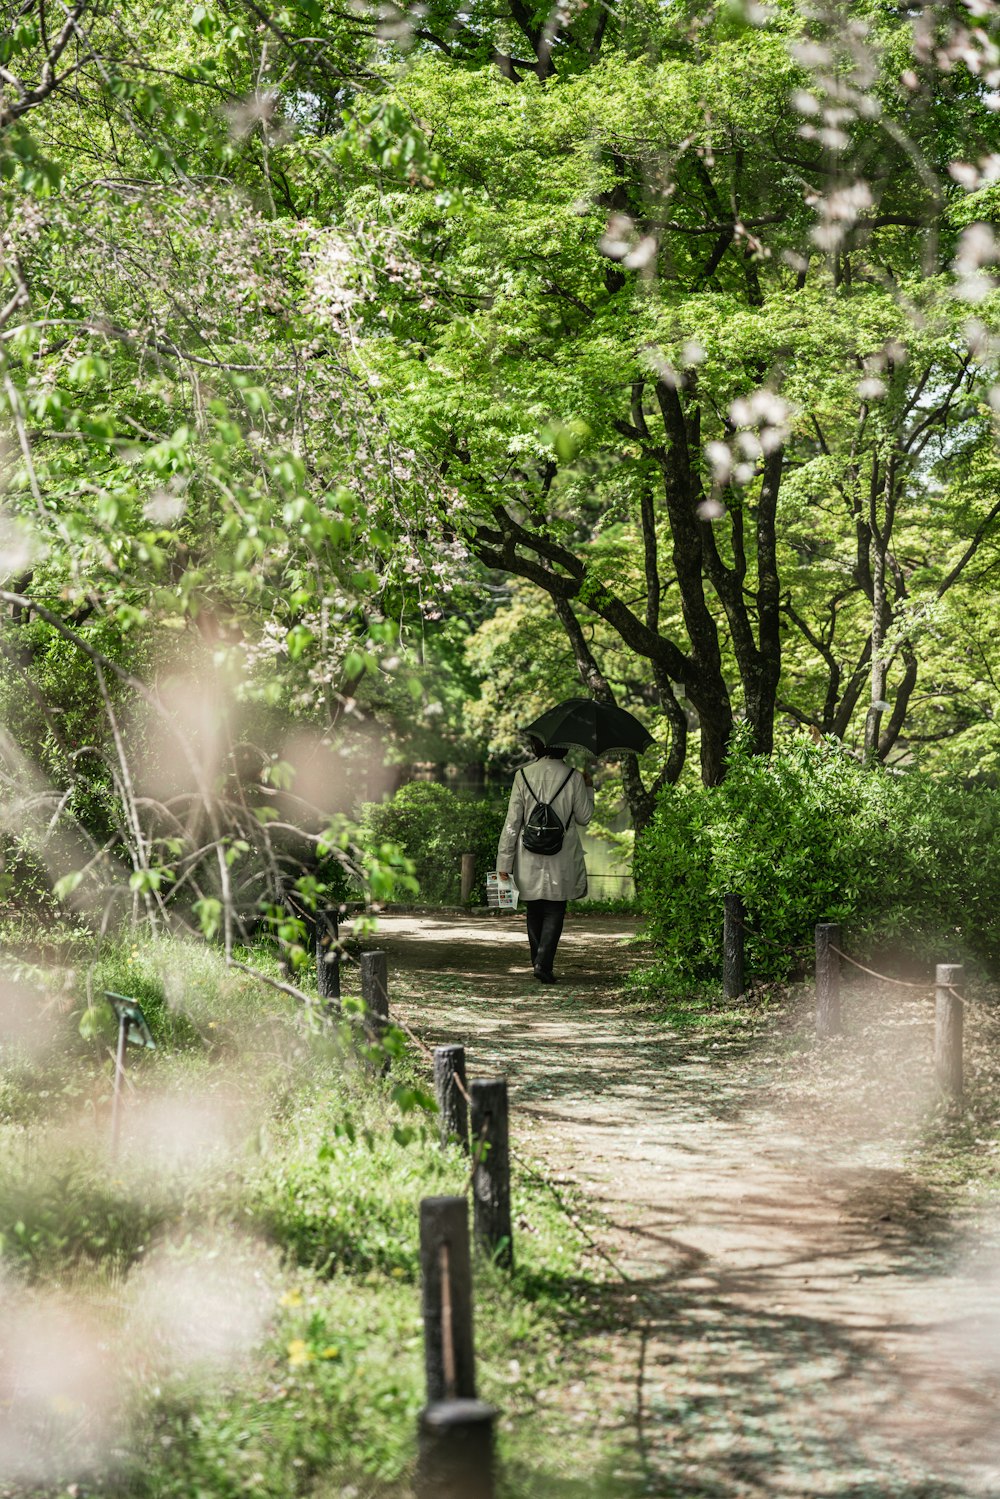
(501, 895)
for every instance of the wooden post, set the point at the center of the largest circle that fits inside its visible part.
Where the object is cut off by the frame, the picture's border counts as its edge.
(116, 1097)
(732, 947)
(446, 1279)
(450, 1090)
(455, 1457)
(375, 993)
(948, 1022)
(491, 1174)
(828, 979)
(468, 877)
(328, 959)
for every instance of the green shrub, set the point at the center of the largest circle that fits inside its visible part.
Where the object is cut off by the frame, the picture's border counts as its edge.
(71, 1212)
(122, 970)
(812, 835)
(335, 1199)
(434, 826)
(319, 1161)
(26, 900)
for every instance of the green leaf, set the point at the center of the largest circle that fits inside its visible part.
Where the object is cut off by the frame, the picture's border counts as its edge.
(298, 639)
(279, 774)
(89, 1023)
(208, 912)
(87, 369)
(64, 887)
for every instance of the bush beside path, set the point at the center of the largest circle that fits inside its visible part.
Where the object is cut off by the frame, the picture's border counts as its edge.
(804, 1305)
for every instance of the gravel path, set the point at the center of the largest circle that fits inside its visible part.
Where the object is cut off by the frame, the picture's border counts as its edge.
(802, 1322)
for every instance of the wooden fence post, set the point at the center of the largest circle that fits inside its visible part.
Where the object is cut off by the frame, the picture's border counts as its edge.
(446, 1279)
(455, 1456)
(828, 979)
(328, 959)
(468, 877)
(375, 993)
(116, 1097)
(732, 947)
(948, 1023)
(491, 1173)
(450, 1089)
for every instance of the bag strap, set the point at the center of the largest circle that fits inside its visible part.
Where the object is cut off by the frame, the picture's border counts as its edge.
(558, 792)
(562, 788)
(569, 777)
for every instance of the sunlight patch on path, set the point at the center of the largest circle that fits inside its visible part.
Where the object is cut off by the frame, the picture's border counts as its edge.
(803, 1326)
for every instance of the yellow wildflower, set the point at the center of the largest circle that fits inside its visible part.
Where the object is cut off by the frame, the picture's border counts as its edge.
(291, 1298)
(299, 1353)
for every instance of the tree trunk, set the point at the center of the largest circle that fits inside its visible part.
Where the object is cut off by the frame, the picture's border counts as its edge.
(873, 723)
(715, 719)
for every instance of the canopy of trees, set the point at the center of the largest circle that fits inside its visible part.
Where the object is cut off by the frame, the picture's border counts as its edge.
(383, 371)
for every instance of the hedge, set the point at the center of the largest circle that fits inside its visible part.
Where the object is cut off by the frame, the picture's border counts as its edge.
(434, 826)
(810, 835)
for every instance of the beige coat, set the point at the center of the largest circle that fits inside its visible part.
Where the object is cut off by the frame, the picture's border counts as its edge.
(561, 876)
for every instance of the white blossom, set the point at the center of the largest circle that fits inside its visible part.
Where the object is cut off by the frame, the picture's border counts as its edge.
(617, 239)
(643, 253)
(164, 507)
(838, 211)
(977, 249)
(711, 509)
(721, 459)
(20, 548)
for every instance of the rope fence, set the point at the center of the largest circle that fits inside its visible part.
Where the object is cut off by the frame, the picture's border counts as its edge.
(884, 977)
(948, 986)
(455, 1430)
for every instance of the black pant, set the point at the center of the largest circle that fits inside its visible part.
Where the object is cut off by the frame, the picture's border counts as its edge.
(545, 924)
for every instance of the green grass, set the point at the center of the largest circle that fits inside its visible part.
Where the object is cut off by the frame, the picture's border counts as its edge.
(598, 906)
(958, 1150)
(250, 1257)
(702, 1007)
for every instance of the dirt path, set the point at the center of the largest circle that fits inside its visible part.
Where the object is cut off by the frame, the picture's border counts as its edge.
(804, 1325)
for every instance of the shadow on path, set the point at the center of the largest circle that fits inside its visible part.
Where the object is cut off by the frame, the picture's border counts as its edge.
(800, 1321)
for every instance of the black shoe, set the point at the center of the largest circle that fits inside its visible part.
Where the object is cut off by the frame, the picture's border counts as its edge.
(543, 977)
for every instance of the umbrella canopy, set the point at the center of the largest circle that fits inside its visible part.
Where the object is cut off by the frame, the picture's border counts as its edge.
(597, 727)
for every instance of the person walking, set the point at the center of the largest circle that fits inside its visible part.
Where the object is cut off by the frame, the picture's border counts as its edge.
(546, 881)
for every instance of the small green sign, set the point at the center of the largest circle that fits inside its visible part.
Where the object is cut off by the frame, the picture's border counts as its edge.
(130, 1011)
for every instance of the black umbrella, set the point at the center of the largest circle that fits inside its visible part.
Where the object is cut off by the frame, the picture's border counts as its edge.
(597, 727)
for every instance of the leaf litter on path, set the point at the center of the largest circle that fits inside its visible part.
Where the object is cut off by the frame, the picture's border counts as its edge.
(803, 1313)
